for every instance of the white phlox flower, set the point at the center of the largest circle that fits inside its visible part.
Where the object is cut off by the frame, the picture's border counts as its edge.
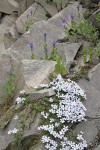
(22, 92)
(20, 100)
(68, 110)
(13, 131)
(16, 117)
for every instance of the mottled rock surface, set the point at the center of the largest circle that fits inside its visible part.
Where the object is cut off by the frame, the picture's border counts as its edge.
(92, 87)
(8, 6)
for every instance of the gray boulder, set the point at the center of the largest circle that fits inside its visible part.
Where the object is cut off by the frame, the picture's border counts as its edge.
(68, 52)
(32, 73)
(6, 140)
(89, 128)
(35, 95)
(8, 6)
(37, 67)
(92, 87)
(54, 29)
(49, 8)
(6, 22)
(61, 4)
(39, 146)
(28, 78)
(33, 14)
(24, 5)
(98, 148)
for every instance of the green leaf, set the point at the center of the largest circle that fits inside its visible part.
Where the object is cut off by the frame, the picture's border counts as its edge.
(57, 68)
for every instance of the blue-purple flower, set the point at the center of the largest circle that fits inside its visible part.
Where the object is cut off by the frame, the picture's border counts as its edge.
(54, 42)
(10, 72)
(89, 23)
(30, 44)
(44, 34)
(30, 11)
(45, 51)
(64, 21)
(71, 16)
(78, 6)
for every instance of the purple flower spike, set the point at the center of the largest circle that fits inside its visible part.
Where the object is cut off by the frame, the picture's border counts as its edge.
(71, 16)
(31, 11)
(10, 72)
(54, 43)
(44, 34)
(89, 23)
(64, 22)
(78, 6)
(31, 44)
(45, 51)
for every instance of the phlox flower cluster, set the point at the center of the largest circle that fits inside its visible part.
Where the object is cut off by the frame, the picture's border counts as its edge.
(13, 131)
(20, 100)
(70, 145)
(22, 92)
(51, 144)
(16, 117)
(66, 107)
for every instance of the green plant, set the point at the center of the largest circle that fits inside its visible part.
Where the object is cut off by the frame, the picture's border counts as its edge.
(41, 105)
(98, 16)
(9, 86)
(74, 28)
(88, 31)
(45, 46)
(84, 28)
(84, 56)
(54, 53)
(60, 67)
(90, 54)
(97, 50)
(87, 52)
(23, 99)
(31, 45)
(51, 76)
(32, 56)
(18, 137)
(28, 25)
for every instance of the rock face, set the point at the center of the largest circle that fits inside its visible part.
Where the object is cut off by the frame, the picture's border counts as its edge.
(61, 3)
(30, 78)
(32, 74)
(6, 22)
(8, 6)
(23, 23)
(42, 17)
(92, 88)
(36, 34)
(38, 147)
(98, 148)
(33, 14)
(23, 5)
(50, 9)
(5, 139)
(36, 95)
(37, 13)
